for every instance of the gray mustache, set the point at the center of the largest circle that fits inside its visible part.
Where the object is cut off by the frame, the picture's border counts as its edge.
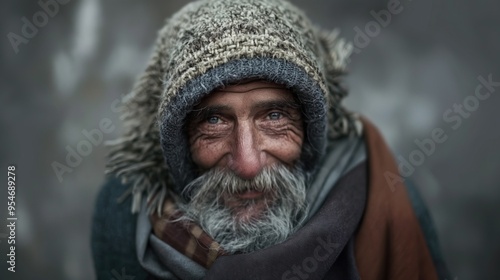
(229, 183)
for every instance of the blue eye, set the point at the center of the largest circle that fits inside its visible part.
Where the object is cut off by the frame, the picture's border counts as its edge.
(275, 116)
(213, 120)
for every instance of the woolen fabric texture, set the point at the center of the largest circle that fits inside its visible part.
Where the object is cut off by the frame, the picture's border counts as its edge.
(212, 43)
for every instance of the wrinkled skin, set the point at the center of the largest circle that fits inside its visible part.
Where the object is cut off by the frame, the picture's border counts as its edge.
(244, 128)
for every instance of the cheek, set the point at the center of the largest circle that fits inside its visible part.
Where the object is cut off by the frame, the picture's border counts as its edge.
(207, 154)
(286, 148)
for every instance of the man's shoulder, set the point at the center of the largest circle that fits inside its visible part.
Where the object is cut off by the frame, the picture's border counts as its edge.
(113, 233)
(112, 215)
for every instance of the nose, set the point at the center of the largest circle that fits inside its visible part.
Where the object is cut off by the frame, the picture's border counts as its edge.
(247, 158)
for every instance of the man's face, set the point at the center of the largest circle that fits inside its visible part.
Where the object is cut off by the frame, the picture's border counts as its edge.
(246, 127)
(246, 140)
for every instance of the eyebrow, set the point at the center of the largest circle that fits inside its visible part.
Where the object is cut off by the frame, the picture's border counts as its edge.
(208, 111)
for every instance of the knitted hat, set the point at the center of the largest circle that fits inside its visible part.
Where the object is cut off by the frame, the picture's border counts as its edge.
(212, 43)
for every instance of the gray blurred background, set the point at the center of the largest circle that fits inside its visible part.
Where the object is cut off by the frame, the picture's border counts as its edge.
(66, 78)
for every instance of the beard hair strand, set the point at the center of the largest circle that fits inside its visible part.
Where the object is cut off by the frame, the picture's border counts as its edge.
(283, 204)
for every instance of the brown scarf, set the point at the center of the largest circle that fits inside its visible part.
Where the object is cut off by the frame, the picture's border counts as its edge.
(186, 237)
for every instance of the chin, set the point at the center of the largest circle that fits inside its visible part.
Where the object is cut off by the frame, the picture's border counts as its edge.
(249, 211)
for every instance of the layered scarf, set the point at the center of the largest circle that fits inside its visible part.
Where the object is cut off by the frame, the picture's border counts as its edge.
(192, 241)
(186, 251)
(315, 248)
(365, 229)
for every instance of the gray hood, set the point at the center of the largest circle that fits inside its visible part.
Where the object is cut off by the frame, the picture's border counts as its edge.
(211, 43)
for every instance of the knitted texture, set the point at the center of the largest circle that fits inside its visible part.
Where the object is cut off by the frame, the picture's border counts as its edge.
(212, 43)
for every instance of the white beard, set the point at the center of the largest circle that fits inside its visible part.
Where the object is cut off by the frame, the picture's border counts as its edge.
(246, 225)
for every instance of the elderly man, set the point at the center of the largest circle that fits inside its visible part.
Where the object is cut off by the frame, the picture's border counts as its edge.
(241, 163)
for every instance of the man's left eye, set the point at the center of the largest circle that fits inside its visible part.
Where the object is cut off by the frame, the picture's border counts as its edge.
(213, 120)
(275, 116)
